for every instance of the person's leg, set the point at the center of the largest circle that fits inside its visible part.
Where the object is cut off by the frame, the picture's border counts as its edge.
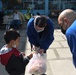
(44, 55)
(31, 50)
(13, 24)
(18, 22)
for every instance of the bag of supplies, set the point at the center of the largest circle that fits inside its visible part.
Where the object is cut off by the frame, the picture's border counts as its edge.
(37, 64)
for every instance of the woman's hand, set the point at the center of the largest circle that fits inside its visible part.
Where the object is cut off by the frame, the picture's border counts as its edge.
(41, 51)
(33, 48)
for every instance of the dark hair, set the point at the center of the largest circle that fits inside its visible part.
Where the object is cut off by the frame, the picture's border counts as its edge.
(38, 13)
(11, 34)
(41, 21)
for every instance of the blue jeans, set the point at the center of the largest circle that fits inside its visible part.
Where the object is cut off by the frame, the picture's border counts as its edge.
(15, 24)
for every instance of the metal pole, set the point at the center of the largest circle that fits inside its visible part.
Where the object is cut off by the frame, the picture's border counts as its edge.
(46, 7)
(59, 4)
(1, 5)
(32, 6)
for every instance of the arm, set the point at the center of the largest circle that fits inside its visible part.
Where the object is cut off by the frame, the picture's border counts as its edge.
(26, 60)
(72, 44)
(30, 31)
(22, 16)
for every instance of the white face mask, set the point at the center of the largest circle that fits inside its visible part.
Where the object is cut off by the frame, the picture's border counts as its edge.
(40, 30)
(14, 46)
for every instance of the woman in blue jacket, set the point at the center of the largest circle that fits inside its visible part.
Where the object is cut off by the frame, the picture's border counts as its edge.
(40, 32)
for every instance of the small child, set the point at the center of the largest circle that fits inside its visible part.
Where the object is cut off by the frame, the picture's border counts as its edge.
(10, 57)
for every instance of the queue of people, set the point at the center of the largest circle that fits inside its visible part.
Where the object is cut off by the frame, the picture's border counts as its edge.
(15, 19)
(40, 33)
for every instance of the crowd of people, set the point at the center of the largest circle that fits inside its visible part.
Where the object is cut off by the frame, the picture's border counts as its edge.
(15, 19)
(40, 33)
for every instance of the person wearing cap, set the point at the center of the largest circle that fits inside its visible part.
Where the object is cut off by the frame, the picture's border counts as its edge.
(40, 32)
(67, 21)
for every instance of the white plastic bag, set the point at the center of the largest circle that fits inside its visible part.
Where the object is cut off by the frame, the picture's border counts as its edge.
(37, 64)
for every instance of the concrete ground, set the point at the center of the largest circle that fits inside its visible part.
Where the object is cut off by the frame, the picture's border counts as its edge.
(59, 58)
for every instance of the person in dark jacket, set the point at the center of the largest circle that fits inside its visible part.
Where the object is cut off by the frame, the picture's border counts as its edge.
(40, 32)
(67, 21)
(13, 60)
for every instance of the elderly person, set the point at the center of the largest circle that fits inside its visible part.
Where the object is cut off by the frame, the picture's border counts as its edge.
(67, 21)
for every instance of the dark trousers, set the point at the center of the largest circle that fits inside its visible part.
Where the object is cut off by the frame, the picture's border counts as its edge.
(15, 24)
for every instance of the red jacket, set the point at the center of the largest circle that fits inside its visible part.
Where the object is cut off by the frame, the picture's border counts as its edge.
(5, 57)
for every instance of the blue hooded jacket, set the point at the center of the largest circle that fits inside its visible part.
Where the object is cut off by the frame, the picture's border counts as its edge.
(47, 36)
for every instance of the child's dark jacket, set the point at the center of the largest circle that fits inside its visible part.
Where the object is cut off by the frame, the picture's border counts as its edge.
(13, 61)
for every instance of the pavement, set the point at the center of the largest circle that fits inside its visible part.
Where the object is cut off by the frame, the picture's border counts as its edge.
(59, 58)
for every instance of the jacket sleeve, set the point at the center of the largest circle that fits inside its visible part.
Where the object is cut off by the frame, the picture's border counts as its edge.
(30, 29)
(72, 44)
(49, 37)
